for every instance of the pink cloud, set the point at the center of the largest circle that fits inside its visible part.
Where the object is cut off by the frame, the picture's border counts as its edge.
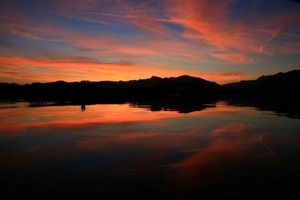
(25, 34)
(206, 35)
(207, 21)
(31, 70)
(276, 33)
(234, 58)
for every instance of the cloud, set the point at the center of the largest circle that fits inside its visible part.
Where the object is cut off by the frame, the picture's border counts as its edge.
(233, 58)
(25, 34)
(24, 70)
(74, 70)
(197, 37)
(276, 33)
(261, 49)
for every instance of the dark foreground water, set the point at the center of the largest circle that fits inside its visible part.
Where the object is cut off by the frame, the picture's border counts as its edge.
(114, 151)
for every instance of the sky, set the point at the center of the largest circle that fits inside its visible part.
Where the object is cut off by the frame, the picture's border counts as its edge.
(96, 40)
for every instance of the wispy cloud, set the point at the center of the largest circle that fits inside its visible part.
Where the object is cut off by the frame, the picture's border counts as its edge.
(234, 58)
(197, 37)
(82, 68)
(276, 33)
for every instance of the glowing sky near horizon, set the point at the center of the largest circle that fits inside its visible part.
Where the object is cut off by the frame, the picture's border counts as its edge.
(74, 40)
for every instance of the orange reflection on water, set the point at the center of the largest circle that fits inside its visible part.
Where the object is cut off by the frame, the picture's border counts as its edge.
(17, 119)
(230, 144)
(230, 128)
(192, 150)
(23, 117)
(233, 139)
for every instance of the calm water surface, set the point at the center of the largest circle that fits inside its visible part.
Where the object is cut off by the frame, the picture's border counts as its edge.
(126, 150)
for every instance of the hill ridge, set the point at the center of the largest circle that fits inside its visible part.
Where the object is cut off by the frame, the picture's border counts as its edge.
(155, 88)
(278, 81)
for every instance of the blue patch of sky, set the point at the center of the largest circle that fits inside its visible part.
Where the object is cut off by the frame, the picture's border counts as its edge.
(93, 28)
(78, 25)
(203, 66)
(31, 48)
(176, 27)
(286, 60)
(246, 11)
(18, 46)
(253, 10)
(30, 8)
(7, 43)
(278, 63)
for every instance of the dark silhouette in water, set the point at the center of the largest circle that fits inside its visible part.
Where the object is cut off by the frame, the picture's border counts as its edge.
(172, 106)
(82, 107)
(279, 93)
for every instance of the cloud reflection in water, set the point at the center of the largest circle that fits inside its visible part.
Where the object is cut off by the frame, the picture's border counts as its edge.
(170, 153)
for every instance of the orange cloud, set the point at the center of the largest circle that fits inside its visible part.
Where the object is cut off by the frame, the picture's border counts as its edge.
(80, 69)
(181, 35)
(207, 21)
(276, 33)
(234, 58)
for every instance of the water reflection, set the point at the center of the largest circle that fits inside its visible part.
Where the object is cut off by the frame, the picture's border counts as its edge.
(123, 150)
(169, 106)
(281, 106)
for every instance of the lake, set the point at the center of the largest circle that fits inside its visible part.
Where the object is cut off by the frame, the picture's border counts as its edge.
(147, 151)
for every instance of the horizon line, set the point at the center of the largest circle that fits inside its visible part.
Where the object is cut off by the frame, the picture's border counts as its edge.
(153, 76)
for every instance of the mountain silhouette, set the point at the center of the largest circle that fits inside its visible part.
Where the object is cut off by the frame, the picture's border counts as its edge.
(279, 93)
(182, 88)
(155, 81)
(278, 82)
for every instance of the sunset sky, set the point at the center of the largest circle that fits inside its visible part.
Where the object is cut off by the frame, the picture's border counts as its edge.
(74, 40)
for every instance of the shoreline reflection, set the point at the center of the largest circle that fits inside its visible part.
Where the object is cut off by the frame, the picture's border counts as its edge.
(120, 150)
